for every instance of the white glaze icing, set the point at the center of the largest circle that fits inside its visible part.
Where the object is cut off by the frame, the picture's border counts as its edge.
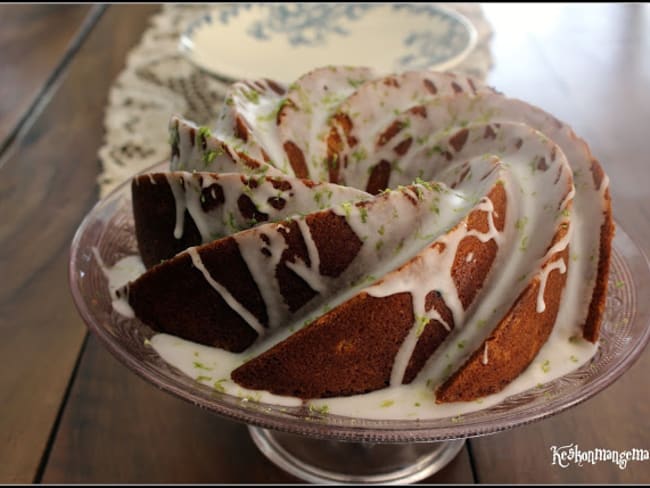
(225, 294)
(484, 359)
(118, 275)
(546, 271)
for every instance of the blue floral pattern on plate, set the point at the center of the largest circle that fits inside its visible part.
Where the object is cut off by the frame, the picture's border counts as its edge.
(423, 35)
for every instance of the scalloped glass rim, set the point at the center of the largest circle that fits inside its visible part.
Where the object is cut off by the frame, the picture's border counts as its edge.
(109, 226)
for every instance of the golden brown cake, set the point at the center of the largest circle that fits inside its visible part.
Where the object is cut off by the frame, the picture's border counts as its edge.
(373, 224)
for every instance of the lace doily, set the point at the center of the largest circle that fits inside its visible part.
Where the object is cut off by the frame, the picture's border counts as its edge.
(159, 81)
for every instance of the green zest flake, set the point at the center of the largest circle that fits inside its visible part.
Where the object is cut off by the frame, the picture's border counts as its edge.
(202, 198)
(323, 409)
(546, 366)
(203, 133)
(251, 398)
(317, 196)
(347, 208)
(424, 237)
(521, 223)
(422, 323)
(293, 86)
(364, 214)
(421, 140)
(218, 385)
(381, 230)
(481, 323)
(174, 136)
(429, 383)
(306, 323)
(566, 212)
(334, 162)
(499, 182)
(272, 115)
(457, 419)
(399, 246)
(196, 354)
(199, 365)
(330, 99)
(359, 155)
(203, 378)
(461, 345)
(379, 244)
(479, 401)
(573, 358)
(426, 184)
(229, 101)
(355, 83)
(437, 149)
(363, 280)
(575, 339)
(387, 403)
(416, 404)
(252, 96)
(619, 284)
(231, 222)
(524, 244)
(281, 104)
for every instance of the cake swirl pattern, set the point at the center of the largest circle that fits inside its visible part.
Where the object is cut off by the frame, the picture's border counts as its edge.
(354, 232)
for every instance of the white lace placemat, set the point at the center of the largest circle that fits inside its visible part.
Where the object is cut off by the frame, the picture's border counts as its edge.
(159, 81)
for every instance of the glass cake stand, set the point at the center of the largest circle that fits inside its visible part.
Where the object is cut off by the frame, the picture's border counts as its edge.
(332, 448)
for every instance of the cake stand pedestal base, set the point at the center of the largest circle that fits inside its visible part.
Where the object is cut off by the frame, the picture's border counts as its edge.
(325, 461)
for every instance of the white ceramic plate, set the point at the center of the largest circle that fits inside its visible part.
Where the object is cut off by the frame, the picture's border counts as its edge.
(284, 41)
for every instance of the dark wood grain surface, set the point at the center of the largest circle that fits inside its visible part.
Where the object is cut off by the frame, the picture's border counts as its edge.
(71, 413)
(34, 41)
(119, 429)
(47, 185)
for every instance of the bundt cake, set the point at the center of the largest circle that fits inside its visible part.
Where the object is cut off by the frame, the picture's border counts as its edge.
(352, 232)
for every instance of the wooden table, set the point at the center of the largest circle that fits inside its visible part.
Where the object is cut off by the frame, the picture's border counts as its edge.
(70, 412)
